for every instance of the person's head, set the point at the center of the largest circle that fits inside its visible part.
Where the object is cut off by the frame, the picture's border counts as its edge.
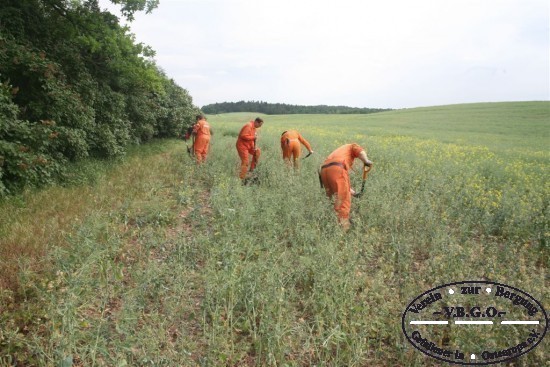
(258, 122)
(200, 117)
(188, 133)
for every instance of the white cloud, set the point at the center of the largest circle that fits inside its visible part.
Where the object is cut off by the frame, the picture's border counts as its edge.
(355, 52)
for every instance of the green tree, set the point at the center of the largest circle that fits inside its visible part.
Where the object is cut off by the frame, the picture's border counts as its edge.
(75, 83)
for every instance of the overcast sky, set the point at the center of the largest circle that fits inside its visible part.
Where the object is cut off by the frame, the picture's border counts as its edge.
(359, 53)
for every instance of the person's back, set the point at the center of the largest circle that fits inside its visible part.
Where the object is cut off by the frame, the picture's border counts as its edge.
(202, 133)
(290, 145)
(344, 154)
(203, 128)
(290, 134)
(334, 177)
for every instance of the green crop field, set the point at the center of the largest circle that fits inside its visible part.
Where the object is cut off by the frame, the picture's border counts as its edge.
(160, 262)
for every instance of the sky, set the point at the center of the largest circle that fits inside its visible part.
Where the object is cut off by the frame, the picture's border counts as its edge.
(357, 53)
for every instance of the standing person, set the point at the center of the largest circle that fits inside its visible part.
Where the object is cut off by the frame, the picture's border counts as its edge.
(246, 145)
(335, 178)
(201, 143)
(290, 144)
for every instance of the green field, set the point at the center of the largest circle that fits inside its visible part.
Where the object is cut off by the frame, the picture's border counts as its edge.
(161, 262)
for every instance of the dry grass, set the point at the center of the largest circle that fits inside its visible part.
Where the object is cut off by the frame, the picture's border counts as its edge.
(35, 221)
(43, 221)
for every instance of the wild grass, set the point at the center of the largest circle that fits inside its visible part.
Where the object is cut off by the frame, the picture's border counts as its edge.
(162, 262)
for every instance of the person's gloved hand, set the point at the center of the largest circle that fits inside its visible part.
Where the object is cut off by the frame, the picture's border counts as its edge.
(368, 163)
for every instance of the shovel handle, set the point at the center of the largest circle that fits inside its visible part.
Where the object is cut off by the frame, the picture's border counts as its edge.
(366, 170)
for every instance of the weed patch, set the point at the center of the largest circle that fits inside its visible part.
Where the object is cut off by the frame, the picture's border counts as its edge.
(169, 263)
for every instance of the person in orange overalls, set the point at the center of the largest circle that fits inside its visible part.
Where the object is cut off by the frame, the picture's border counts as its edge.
(290, 144)
(246, 145)
(335, 178)
(202, 133)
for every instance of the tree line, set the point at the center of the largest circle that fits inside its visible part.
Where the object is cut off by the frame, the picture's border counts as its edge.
(74, 83)
(282, 109)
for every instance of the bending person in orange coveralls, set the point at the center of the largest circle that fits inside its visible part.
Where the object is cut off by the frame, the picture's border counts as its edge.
(290, 144)
(202, 133)
(246, 145)
(335, 178)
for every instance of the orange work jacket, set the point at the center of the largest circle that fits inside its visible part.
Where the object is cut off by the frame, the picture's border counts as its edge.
(247, 135)
(345, 154)
(202, 128)
(295, 135)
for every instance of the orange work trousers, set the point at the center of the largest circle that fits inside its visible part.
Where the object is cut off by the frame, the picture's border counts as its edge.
(244, 152)
(291, 149)
(335, 180)
(202, 143)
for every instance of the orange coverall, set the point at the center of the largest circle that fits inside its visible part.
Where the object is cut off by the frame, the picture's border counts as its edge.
(290, 144)
(202, 140)
(335, 178)
(246, 145)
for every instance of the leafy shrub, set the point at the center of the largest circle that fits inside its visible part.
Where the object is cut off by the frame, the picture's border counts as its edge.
(76, 84)
(25, 148)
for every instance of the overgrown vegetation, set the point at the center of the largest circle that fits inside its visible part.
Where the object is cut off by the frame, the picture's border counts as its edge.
(283, 109)
(74, 84)
(165, 263)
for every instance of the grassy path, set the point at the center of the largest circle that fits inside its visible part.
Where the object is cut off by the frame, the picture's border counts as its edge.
(113, 276)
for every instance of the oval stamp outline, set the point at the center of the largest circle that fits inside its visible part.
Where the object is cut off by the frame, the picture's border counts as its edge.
(474, 363)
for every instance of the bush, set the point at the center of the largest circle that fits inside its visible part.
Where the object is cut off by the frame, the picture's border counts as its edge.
(75, 84)
(25, 149)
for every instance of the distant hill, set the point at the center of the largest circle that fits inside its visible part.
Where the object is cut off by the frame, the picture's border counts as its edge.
(283, 109)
